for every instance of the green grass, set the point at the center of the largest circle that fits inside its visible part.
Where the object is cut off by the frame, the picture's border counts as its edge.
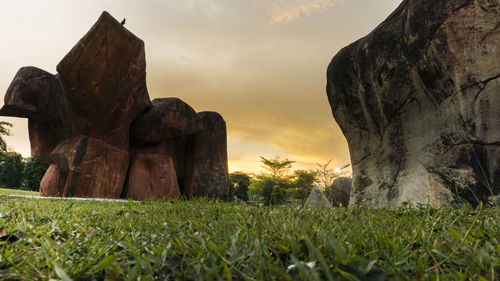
(206, 240)
(18, 192)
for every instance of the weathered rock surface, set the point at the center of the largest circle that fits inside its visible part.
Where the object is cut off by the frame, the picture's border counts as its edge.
(152, 175)
(49, 185)
(194, 143)
(167, 119)
(80, 119)
(317, 199)
(340, 191)
(418, 101)
(206, 172)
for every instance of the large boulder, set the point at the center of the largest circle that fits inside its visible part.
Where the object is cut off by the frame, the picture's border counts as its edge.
(206, 170)
(81, 118)
(167, 119)
(190, 147)
(418, 101)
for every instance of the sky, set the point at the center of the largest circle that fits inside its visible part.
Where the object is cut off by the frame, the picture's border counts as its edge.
(260, 63)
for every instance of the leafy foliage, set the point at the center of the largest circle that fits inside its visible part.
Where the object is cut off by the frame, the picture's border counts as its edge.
(34, 169)
(4, 131)
(11, 169)
(277, 167)
(210, 240)
(271, 188)
(239, 185)
(273, 185)
(303, 182)
(278, 186)
(325, 175)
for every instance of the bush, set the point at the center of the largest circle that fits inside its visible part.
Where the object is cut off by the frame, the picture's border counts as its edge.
(11, 170)
(272, 189)
(34, 169)
(239, 183)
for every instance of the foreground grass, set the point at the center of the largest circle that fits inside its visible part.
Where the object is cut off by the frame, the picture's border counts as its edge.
(206, 240)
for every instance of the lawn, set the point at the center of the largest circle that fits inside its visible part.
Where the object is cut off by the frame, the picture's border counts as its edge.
(18, 192)
(210, 240)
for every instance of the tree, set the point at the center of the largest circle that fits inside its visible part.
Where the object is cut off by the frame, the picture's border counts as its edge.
(325, 175)
(4, 131)
(34, 169)
(304, 181)
(239, 185)
(11, 169)
(273, 185)
(276, 166)
(271, 188)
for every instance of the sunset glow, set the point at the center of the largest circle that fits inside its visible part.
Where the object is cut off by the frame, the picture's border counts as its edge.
(260, 64)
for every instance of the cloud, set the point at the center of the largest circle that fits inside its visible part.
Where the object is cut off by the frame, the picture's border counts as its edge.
(285, 11)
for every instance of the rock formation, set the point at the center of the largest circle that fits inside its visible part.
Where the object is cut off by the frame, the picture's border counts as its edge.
(80, 119)
(317, 199)
(418, 100)
(340, 191)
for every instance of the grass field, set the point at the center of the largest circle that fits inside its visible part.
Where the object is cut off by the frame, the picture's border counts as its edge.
(18, 192)
(207, 240)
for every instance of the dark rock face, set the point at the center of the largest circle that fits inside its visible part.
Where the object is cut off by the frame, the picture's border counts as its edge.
(167, 119)
(340, 191)
(193, 148)
(80, 119)
(152, 175)
(418, 100)
(207, 156)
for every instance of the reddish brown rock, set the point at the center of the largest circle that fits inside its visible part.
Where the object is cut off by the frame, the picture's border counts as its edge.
(30, 95)
(42, 138)
(80, 119)
(105, 74)
(167, 119)
(94, 168)
(206, 171)
(152, 175)
(49, 185)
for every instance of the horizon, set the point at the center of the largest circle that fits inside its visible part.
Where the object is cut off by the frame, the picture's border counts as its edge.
(260, 64)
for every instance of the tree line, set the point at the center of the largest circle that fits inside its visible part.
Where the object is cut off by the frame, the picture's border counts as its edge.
(18, 172)
(278, 185)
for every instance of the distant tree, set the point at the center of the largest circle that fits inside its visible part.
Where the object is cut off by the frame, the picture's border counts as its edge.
(273, 186)
(239, 185)
(303, 182)
(4, 131)
(272, 189)
(34, 169)
(276, 166)
(326, 175)
(11, 169)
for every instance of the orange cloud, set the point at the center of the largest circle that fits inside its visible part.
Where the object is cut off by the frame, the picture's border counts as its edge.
(285, 11)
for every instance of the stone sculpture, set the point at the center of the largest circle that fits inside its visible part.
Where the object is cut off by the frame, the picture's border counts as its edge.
(81, 118)
(317, 200)
(418, 100)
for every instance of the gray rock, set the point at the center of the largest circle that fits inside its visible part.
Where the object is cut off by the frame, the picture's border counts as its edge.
(317, 199)
(340, 191)
(418, 101)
